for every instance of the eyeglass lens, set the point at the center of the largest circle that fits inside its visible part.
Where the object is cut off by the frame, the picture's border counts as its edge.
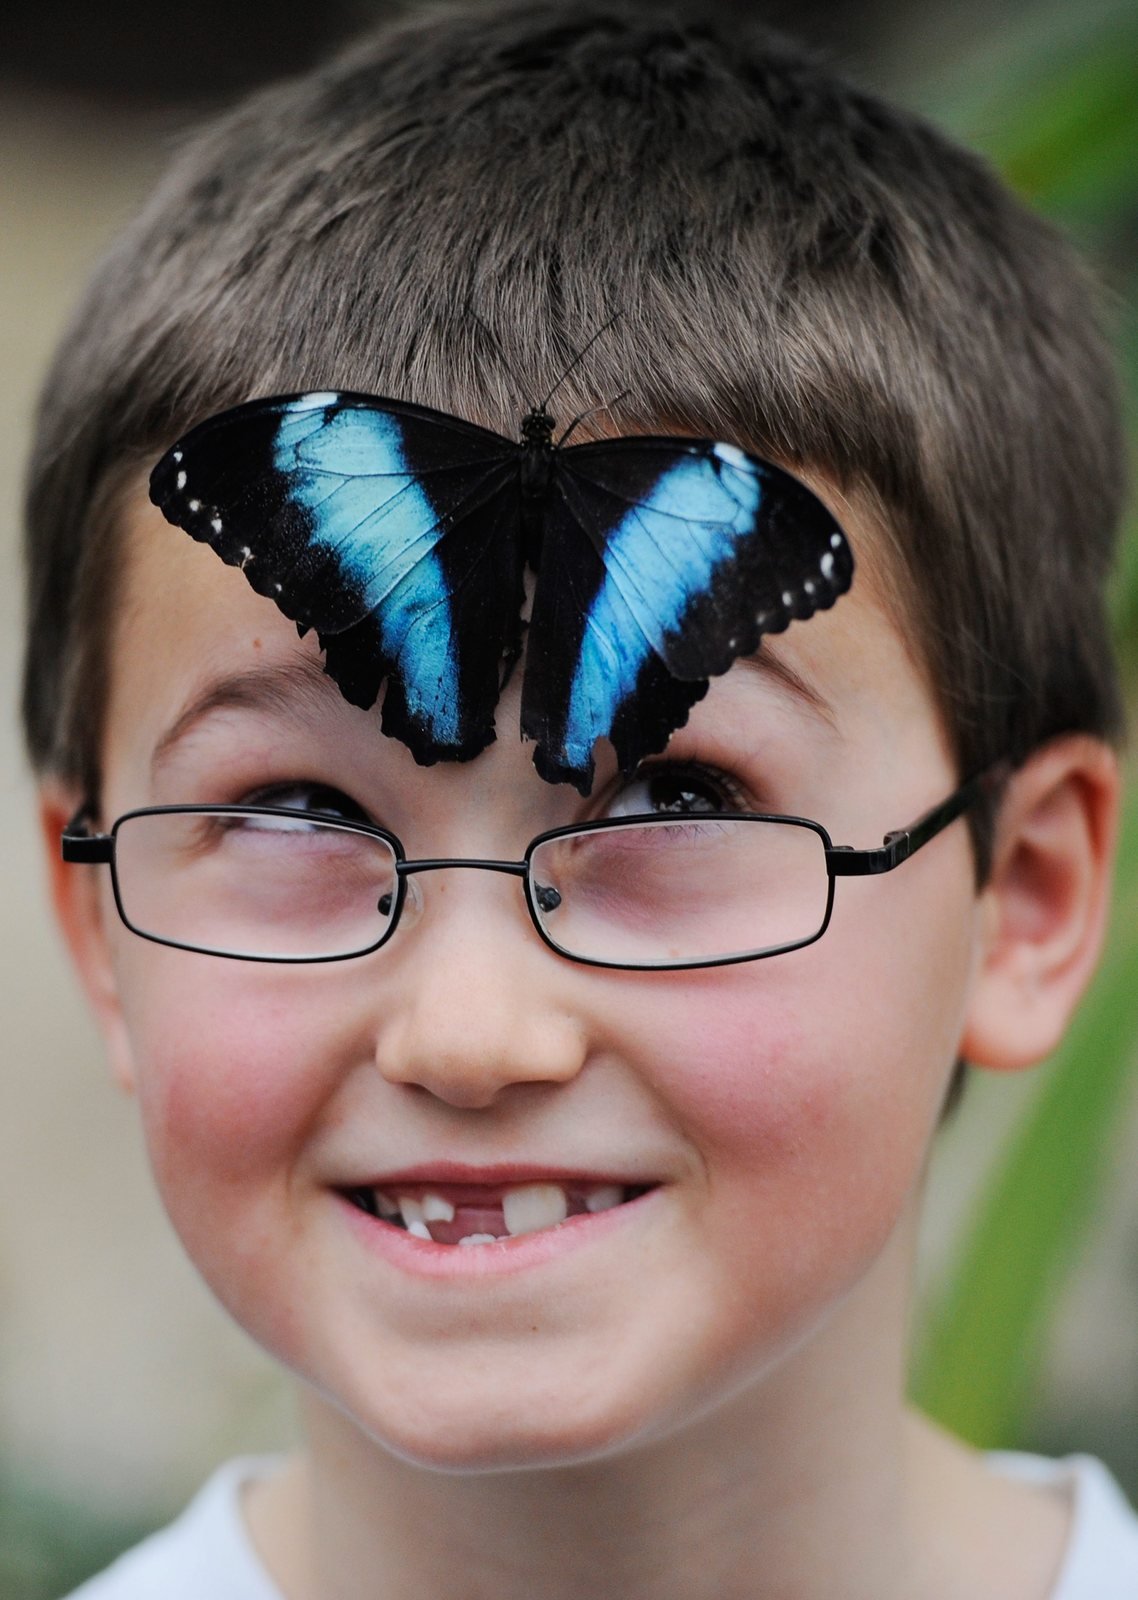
(267, 886)
(682, 890)
(643, 893)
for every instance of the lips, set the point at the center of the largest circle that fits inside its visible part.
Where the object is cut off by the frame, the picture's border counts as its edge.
(472, 1214)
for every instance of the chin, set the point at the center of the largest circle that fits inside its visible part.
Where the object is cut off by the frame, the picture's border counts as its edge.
(503, 1425)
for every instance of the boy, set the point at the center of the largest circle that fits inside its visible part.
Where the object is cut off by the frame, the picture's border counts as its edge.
(669, 1359)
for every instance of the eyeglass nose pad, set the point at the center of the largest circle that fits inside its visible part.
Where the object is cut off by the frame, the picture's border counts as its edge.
(412, 900)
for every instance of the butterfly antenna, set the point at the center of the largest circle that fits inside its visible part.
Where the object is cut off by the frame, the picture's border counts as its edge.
(577, 359)
(592, 411)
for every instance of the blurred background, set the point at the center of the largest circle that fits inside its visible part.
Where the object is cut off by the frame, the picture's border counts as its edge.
(121, 1384)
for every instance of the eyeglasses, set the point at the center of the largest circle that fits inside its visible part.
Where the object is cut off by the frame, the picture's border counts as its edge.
(698, 889)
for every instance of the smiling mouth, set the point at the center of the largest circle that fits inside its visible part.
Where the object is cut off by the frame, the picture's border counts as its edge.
(476, 1214)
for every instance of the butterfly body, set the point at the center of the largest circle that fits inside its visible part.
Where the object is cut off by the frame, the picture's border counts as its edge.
(535, 475)
(402, 535)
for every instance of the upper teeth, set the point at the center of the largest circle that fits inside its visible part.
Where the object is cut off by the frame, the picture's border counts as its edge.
(534, 1205)
(526, 1207)
(414, 1219)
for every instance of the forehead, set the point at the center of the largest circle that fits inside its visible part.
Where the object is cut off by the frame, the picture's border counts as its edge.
(187, 623)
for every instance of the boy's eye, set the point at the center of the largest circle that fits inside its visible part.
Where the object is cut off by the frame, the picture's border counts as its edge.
(677, 787)
(318, 798)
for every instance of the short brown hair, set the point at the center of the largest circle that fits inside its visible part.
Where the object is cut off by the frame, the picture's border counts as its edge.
(469, 193)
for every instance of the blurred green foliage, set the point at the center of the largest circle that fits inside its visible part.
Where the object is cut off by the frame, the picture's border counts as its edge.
(48, 1548)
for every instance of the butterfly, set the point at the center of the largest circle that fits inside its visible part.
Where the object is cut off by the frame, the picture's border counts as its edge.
(402, 535)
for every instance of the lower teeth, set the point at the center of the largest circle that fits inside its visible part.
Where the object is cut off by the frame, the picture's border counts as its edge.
(366, 1201)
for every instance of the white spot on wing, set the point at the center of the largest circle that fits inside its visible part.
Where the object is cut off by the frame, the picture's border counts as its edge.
(195, 505)
(313, 402)
(827, 565)
(835, 541)
(732, 455)
(181, 480)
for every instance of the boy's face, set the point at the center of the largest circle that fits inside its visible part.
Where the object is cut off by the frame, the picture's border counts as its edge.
(782, 1108)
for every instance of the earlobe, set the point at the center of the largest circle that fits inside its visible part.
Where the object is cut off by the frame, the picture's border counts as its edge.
(1045, 905)
(77, 895)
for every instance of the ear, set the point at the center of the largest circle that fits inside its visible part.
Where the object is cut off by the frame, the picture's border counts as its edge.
(83, 907)
(1044, 907)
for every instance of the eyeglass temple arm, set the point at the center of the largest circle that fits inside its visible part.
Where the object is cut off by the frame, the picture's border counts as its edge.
(77, 844)
(846, 862)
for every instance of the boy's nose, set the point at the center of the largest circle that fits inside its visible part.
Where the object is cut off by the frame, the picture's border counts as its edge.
(478, 1002)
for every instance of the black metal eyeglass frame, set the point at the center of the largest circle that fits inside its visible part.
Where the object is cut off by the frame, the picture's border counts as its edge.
(842, 861)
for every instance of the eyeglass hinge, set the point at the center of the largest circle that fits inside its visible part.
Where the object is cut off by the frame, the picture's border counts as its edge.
(76, 844)
(846, 862)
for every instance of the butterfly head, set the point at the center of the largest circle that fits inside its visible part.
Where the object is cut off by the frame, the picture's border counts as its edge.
(537, 427)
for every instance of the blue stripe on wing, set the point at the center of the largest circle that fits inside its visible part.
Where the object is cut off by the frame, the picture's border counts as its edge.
(370, 514)
(662, 554)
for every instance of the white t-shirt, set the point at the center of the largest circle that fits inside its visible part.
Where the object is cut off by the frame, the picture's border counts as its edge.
(206, 1554)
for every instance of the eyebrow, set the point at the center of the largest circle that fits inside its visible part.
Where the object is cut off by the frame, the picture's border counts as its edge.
(775, 669)
(274, 688)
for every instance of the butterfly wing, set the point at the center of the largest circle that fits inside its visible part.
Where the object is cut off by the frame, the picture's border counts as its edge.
(390, 529)
(663, 561)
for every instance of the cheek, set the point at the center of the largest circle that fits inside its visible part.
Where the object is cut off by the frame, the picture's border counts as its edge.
(809, 1085)
(231, 1076)
(733, 1064)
